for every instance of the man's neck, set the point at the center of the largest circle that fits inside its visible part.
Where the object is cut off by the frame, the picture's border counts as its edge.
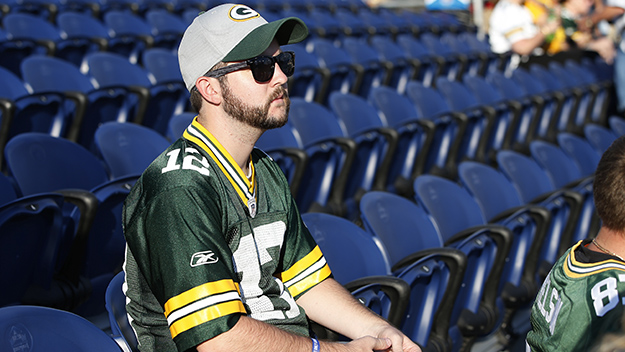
(236, 137)
(611, 241)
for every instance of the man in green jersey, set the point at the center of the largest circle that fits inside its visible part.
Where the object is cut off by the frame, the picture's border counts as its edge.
(218, 258)
(582, 297)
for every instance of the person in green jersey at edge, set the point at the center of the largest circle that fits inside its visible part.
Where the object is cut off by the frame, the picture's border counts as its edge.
(218, 258)
(582, 297)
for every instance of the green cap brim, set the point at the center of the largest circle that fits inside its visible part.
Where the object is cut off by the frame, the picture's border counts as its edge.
(288, 30)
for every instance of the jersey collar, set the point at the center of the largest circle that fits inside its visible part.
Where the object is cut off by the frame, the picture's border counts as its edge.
(245, 188)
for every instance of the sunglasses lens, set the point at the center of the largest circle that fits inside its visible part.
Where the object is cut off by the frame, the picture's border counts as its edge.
(263, 66)
(286, 61)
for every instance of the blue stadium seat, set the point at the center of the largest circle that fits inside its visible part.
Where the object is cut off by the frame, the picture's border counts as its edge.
(345, 75)
(617, 124)
(507, 115)
(580, 150)
(415, 137)
(405, 229)
(566, 174)
(599, 137)
(376, 146)
(309, 81)
(164, 99)
(430, 64)
(50, 112)
(167, 28)
(456, 63)
(115, 303)
(482, 120)
(85, 31)
(13, 50)
(31, 229)
(285, 148)
(99, 104)
(64, 165)
(130, 34)
(330, 157)
(45, 329)
(454, 210)
(450, 127)
(535, 187)
(178, 124)
(433, 276)
(128, 148)
(42, 32)
(569, 98)
(404, 67)
(376, 71)
(601, 90)
(529, 110)
(549, 103)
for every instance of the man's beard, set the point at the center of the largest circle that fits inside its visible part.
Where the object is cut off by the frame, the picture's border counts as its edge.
(255, 116)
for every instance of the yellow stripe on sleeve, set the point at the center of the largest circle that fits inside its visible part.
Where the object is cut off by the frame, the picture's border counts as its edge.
(205, 315)
(310, 281)
(303, 264)
(199, 292)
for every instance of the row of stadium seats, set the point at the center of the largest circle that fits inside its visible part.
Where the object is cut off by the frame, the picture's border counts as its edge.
(440, 191)
(494, 229)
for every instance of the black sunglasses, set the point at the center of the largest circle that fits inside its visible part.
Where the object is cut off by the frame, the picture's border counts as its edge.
(262, 66)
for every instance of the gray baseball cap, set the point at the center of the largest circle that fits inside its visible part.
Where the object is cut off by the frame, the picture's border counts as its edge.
(231, 32)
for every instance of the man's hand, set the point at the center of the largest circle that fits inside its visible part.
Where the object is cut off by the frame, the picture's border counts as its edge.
(399, 341)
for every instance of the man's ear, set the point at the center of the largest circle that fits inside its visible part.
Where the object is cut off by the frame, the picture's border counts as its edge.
(210, 89)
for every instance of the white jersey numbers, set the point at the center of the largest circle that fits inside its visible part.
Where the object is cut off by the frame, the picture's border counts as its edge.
(189, 162)
(549, 303)
(605, 295)
(249, 258)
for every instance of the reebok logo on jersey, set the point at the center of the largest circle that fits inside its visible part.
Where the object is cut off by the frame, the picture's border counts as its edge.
(202, 258)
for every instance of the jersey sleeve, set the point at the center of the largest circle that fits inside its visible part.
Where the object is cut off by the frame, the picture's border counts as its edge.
(180, 248)
(304, 264)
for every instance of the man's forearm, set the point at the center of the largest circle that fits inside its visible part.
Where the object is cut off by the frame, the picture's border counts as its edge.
(252, 335)
(332, 306)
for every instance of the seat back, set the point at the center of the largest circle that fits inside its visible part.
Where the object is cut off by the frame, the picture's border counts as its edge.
(309, 81)
(42, 163)
(285, 147)
(36, 328)
(415, 137)
(599, 137)
(434, 194)
(156, 104)
(330, 156)
(128, 148)
(376, 144)
(115, 303)
(581, 151)
(561, 168)
(529, 179)
(351, 253)
(178, 124)
(493, 192)
(406, 230)
(31, 229)
(375, 72)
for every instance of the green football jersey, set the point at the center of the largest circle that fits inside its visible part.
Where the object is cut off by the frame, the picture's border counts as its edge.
(206, 245)
(580, 300)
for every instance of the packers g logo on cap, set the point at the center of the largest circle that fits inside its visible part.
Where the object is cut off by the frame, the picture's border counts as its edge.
(242, 13)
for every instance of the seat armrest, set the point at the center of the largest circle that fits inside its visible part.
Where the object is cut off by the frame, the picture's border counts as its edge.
(395, 288)
(87, 204)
